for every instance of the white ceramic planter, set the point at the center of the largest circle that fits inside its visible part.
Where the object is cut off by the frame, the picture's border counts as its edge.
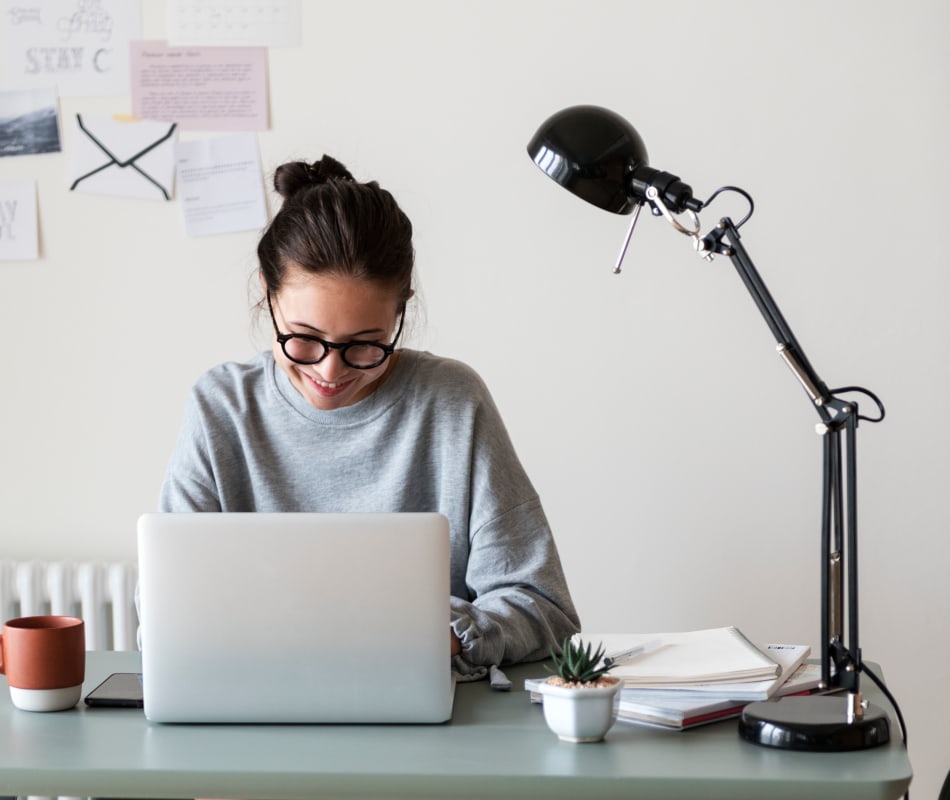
(580, 714)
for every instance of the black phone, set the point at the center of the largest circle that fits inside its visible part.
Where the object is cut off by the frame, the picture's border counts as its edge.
(119, 690)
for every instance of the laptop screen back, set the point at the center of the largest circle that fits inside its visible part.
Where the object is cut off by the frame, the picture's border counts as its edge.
(300, 617)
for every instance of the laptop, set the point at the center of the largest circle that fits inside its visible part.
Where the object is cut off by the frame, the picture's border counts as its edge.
(295, 618)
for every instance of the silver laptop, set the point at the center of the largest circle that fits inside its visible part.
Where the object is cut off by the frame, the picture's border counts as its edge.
(295, 617)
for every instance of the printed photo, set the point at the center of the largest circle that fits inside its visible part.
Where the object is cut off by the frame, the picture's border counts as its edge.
(29, 122)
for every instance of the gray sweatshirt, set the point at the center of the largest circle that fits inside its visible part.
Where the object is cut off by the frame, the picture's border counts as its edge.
(428, 439)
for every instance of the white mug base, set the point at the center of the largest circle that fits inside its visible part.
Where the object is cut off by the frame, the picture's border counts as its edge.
(46, 699)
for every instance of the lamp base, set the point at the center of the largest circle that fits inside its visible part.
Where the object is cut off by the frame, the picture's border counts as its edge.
(816, 723)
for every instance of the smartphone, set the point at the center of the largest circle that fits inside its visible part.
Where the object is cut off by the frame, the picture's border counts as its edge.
(119, 690)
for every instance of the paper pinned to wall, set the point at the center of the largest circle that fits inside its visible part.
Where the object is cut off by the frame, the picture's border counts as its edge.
(274, 23)
(80, 46)
(29, 122)
(19, 231)
(200, 88)
(220, 185)
(125, 158)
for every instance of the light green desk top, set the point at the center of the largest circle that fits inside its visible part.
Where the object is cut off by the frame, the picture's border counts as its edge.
(497, 745)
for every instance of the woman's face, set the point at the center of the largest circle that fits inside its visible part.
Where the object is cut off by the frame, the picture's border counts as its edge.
(338, 309)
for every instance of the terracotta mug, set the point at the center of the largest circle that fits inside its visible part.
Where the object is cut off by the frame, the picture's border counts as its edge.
(44, 659)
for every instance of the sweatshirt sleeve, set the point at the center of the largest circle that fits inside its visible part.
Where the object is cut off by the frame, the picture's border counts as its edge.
(518, 606)
(189, 483)
(521, 606)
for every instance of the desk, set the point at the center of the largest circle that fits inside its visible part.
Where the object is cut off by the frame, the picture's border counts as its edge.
(496, 745)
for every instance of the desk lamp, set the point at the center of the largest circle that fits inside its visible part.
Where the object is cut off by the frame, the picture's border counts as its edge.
(600, 157)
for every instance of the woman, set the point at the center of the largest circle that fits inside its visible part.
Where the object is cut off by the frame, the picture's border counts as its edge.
(335, 418)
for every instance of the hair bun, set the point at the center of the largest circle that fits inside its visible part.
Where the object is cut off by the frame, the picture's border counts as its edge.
(296, 176)
(328, 169)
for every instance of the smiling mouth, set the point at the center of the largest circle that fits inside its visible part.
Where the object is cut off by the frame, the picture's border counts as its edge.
(327, 387)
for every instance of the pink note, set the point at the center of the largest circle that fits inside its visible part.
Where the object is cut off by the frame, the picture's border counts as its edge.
(200, 88)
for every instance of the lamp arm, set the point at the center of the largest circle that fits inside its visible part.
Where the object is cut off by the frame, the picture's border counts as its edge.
(840, 662)
(787, 345)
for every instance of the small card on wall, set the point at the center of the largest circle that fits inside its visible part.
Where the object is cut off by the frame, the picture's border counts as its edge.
(29, 122)
(128, 158)
(221, 185)
(19, 232)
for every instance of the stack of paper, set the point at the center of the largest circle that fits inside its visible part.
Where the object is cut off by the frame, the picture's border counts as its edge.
(693, 678)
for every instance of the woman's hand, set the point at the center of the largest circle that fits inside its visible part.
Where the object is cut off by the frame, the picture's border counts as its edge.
(456, 646)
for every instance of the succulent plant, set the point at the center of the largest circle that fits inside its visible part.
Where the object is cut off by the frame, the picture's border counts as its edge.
(578, 662)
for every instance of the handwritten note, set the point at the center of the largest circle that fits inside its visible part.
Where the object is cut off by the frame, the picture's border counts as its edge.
(19, 237)
(200, 88)
(79, 46)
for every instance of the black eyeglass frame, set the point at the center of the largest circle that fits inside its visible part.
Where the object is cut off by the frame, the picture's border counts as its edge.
(283, 338)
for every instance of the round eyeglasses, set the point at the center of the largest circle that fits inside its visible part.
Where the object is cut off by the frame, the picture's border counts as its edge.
(304, 348)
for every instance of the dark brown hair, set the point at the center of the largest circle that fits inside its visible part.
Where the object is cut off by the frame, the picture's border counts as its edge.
(331, 224)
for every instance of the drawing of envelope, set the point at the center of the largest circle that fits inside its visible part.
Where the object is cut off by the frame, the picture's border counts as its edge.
(129, 159)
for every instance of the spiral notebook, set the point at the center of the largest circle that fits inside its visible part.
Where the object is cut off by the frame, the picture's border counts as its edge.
(708, 656)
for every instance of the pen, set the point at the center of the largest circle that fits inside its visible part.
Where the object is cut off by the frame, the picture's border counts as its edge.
(628, 655)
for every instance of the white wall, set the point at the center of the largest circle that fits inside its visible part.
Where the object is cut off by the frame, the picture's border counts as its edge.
(673, 450)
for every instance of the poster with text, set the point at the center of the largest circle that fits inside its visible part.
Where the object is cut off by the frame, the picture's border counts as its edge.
(19, 231)
(79, 46)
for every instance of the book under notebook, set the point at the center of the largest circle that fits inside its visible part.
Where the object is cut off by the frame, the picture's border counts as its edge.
(681, 710)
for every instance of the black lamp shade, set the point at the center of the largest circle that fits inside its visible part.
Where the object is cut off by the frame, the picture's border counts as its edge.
(591, 151)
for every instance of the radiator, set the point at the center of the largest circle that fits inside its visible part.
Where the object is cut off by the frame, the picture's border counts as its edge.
(103, 594)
